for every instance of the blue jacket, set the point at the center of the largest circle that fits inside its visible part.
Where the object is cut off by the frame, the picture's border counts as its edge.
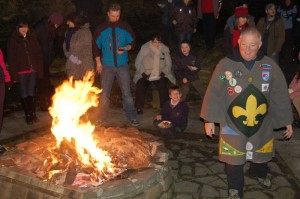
(108, 38)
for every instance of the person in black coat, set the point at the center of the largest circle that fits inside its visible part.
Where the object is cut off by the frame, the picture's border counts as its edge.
(187, 67)
(46, 34)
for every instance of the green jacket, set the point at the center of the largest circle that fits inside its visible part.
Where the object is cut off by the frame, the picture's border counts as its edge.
(276, 34)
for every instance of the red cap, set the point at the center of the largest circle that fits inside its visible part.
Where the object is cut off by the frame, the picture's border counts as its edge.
(241, 12)
(56, 18)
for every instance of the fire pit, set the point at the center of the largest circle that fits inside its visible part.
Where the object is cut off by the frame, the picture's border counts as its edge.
(146, 175)
(81, 161)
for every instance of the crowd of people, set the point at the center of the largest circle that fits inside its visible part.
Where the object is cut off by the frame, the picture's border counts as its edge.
(247, 94)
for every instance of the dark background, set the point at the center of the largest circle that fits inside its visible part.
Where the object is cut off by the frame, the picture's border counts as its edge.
(143, 15)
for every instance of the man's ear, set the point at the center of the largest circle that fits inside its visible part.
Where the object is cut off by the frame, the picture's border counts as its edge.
(260, 44)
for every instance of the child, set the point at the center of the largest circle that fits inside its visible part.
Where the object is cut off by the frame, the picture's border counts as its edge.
(173, 117)
(187, 67)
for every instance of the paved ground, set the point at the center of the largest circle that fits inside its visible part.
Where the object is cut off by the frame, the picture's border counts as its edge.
(193, 157)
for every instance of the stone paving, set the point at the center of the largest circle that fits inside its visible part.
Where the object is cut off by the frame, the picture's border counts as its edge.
(199, 174)
(193, 157)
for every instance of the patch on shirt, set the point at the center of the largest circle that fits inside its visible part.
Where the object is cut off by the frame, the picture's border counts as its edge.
(229, 131)
(265, 75)
(248, 110)
(265, 66)
(232, 82)
(238, 73)
(267, 148)
(264, 87)
(228, 75)
(222, 78)
(227, 149)
(230, 91)
(238, 89)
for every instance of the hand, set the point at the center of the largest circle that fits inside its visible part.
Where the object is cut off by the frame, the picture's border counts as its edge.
(174, 22)
(9, 85)
(121, 50)
(185, 80)
(74, 59)
(209, 129)
(99, 68)
(162, 74)
(288, 132)
(158, 117)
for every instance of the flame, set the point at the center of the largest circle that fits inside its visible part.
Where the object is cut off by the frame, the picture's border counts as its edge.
(71, 101)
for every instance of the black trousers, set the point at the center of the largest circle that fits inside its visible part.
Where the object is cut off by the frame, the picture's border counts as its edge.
(141, 90)
(235, 174)
(209, 30)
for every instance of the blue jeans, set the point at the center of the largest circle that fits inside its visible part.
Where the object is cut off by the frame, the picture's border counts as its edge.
(27, 84)
(122, 75)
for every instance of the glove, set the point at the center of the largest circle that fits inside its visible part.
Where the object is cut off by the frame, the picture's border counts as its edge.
(74, 59)
(9, 85)
(145, 76)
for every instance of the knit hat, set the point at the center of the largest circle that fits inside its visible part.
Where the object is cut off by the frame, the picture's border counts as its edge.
(241, 12)
(56, 18)
(270, 5)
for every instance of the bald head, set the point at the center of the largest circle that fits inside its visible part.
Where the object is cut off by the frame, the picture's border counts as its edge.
(251, 31)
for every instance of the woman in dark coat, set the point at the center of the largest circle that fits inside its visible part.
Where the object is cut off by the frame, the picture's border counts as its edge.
(26, 64)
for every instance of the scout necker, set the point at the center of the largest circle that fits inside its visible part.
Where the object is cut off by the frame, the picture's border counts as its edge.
(247, 95)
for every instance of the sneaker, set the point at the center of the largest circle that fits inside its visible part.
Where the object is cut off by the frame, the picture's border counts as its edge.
(2, 149)
(233, 194)
(265, 182)
(140, 111)
(135, 123)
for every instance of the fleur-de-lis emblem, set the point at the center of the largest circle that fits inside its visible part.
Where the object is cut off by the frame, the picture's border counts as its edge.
(250, 112)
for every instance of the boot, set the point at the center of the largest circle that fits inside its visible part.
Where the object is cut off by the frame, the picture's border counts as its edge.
(26, 109)
(31, 102)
